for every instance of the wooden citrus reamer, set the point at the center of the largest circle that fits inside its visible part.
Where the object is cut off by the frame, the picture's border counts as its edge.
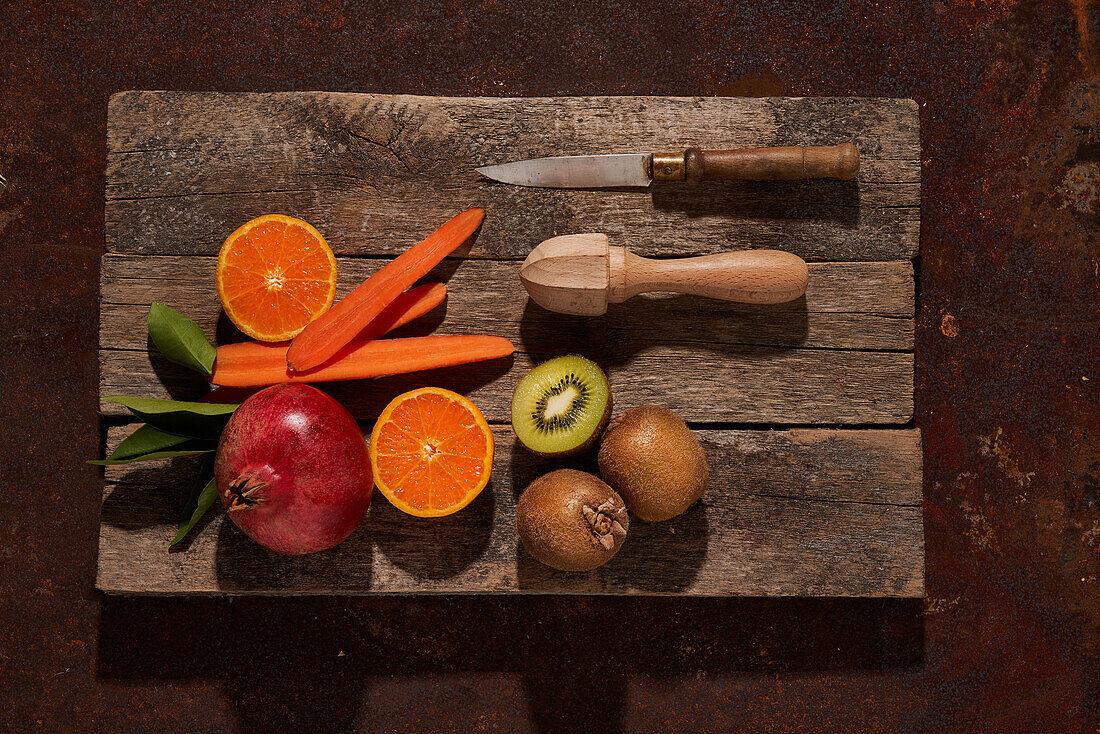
(581, 273)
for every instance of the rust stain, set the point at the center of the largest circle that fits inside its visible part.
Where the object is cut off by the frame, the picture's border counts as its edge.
(1025, 109)
(7, 218)
(992, 446)
(1091, 537)
(938, 605)
(949, 326)
(990, 8)
(1070, 525)
(1080, 188)
(980, 531)
(1051, 521)
(1080, 9)
(763, 84)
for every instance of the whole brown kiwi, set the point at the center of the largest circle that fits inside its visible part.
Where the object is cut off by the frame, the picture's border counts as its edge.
(654, 461)
(571, 520)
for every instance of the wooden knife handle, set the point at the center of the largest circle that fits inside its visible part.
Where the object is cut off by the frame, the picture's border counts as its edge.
(748, 276)
(773, 164)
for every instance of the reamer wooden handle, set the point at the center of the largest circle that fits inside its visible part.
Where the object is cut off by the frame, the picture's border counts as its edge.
(772, 164)
(748, 276)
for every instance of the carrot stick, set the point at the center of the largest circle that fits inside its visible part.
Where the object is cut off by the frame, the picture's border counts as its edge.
(412, 304)
(252, 364)
(323, 338)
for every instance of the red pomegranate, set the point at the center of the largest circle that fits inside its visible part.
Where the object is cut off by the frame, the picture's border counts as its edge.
(293, 470)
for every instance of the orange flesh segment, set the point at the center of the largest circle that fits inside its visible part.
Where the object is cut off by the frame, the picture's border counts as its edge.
(432, 452)
(275, 275)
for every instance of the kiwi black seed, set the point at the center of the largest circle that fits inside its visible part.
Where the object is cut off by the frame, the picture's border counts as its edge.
(650, 457)
(571, 520)
(560, 407)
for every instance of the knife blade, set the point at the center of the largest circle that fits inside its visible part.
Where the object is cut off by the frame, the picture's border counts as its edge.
(575, 171)
(641, 169)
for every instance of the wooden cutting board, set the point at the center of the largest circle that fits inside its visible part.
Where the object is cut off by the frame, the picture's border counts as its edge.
(804, 409)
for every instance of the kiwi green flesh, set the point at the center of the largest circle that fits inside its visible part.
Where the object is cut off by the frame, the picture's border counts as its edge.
(571, 520)
(654, 461)
(560, 407)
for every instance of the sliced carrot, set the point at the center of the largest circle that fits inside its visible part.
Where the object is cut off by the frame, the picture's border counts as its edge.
(252, 364)
(324, 337)
(412, 304)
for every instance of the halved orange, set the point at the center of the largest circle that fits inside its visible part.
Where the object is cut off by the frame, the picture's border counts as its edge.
(275, 274)
(432, 452)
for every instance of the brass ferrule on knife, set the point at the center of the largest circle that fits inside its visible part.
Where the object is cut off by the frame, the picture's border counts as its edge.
(669, 167)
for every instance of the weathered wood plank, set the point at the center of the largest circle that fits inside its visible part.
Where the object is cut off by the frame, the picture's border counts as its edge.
(834, 287)
(376, 172)
(787, 513)
(847, 305)
(798, 363)
(796, 512)
(764, 385)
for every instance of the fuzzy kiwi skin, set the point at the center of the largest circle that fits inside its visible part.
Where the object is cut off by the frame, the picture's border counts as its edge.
(584, 447)
(654, 461)
(571, 521)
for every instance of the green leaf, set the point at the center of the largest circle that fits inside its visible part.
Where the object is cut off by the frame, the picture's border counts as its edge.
(195, 420)
(180, 339)
(146, 440)
(203, 494)
(148, 443)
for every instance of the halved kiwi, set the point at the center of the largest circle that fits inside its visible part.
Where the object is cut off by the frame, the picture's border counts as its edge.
(560, 407)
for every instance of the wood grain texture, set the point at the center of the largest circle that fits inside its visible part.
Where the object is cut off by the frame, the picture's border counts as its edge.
(581, 273)
(787, 513)
(744, 276)
(840, 355)
(773, 164)
(375, 173)
(818, 511)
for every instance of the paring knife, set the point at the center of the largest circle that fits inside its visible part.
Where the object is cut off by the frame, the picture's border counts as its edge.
(641, 169)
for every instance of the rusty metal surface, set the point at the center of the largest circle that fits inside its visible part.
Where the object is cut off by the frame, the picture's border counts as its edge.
(1008, 387)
